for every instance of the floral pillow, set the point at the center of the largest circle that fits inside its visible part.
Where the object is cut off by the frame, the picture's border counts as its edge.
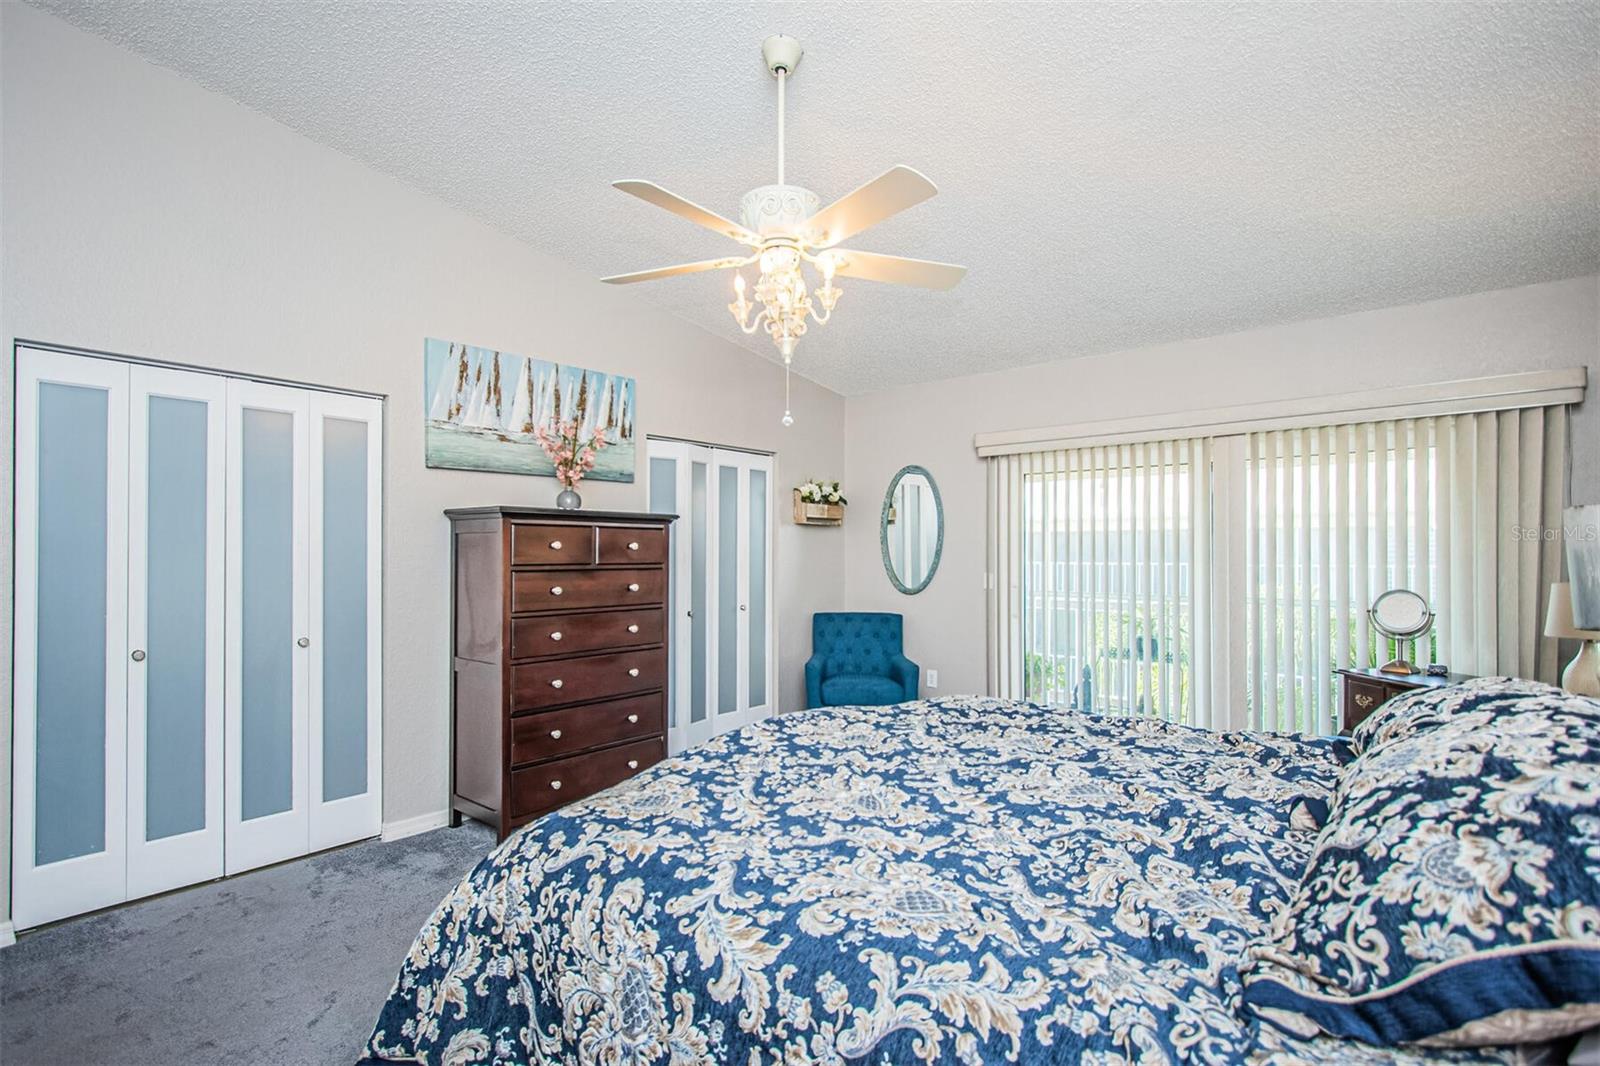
(1426, 707)
(1453, 898)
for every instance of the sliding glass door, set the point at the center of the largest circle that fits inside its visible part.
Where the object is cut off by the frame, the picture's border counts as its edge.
(721, 606)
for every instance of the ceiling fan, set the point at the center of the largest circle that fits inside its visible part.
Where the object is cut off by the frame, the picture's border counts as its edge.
(783, 228)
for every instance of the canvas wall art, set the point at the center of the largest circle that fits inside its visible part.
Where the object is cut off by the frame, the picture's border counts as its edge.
(484, 406)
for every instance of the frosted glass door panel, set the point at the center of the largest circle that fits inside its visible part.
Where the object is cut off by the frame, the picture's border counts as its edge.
(267, 636)
(699, 580)
(175, 577)
(268, 625)
(345, 644)
(757, 581)
(344, 608)
(728, 621)
(71, 745)
(176, 500)
(69, 828)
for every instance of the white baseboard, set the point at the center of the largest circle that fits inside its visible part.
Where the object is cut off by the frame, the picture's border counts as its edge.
(410, 827)
(8, 934)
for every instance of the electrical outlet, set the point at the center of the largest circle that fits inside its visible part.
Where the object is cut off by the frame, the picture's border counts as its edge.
(933, 679)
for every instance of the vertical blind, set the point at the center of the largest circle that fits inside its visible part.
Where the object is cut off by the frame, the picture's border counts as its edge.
(1105, 588)
(1102, 562)
(1453, 508)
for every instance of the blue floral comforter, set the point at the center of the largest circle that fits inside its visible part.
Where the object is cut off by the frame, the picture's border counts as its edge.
(955, 881)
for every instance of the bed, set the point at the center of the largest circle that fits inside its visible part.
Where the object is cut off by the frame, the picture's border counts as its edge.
(959, 881)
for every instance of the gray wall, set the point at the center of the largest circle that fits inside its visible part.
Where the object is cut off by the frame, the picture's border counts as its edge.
(145, 215)
(1538, 327)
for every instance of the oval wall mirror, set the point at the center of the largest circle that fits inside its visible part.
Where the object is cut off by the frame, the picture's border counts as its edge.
(911, 529)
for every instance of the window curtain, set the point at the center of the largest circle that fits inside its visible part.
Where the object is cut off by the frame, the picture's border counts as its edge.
(1099, 595)
(1221, 581)
(1456, 508)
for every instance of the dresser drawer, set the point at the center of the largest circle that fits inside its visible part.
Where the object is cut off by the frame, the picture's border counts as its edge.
(542, 545)
(547, 786)
(633, 546)
(563, 634)
(559, 590)
(1361, 698)
(550, 684)
(537, 737)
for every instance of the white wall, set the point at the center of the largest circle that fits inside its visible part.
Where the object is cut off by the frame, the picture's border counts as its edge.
(145, 215)
(1547, 326)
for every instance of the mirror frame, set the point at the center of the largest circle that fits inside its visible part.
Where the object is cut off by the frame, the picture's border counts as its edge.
(883, 530)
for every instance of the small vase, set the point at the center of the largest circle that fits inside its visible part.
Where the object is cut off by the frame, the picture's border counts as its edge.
(569, 500)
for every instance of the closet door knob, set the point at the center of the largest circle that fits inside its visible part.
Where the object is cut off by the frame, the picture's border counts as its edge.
(633, 628)
(741, 607)
(633, 545)
(555, 785)
(555, 545)
(633, 719)
(555, 683)
(138, 655)
(555, 590)
(633, 764)
(556, 635)
(555, 734)
(633, 671)
(304, 642)
(634, 587)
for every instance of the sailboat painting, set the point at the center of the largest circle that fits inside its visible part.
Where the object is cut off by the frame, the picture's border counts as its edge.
(483, 407)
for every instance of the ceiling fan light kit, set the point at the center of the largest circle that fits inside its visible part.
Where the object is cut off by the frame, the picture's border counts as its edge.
(785, 228)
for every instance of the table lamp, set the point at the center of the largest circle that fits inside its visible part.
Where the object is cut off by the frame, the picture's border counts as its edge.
(1582, 675)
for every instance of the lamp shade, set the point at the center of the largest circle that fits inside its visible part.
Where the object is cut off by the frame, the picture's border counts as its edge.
(1558, 620)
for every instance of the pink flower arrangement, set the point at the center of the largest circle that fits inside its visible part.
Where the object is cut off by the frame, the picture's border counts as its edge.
(572, 456)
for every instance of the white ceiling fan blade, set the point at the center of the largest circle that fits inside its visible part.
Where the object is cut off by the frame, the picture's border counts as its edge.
(887, 194)
(650, 192)
(681, 268)
(896, 269)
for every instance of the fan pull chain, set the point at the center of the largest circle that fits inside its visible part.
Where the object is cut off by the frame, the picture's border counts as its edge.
(788, 419)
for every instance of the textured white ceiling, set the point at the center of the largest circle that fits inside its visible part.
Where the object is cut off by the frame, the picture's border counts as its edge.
(1113, 174)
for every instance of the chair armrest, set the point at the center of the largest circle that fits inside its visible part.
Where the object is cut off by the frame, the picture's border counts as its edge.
(814, 682)
(907, 673)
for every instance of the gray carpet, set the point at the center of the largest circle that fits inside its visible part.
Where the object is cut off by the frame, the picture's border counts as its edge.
(286, 965)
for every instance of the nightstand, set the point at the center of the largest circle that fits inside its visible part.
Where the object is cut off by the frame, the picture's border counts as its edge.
(1367, 690)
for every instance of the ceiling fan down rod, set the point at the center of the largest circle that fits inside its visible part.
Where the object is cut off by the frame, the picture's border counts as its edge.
(781, 54)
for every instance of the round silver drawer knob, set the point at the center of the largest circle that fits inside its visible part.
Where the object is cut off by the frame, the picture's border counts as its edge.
(137, 656)
(633, 545)
(633, 629)
(555, 545)
(304, 642)
(633, 718)
(633, 764)
(556, 635)
(633, 671)
(634, 587)
(555, 784)
(555, 734)
(555, 590)
(555, 682)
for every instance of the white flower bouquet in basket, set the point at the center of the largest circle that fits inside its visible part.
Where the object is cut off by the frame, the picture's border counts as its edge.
(819, 503)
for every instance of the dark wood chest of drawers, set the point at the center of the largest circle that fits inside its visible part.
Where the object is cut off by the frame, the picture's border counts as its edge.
(560, 669)
(1365, 690)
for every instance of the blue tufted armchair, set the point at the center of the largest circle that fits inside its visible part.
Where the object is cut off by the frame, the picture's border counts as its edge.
(856, 660)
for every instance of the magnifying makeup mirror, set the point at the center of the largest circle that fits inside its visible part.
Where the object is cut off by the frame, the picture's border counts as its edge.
(1401, 615)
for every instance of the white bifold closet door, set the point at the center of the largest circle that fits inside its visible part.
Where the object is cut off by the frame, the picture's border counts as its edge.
(173, 527)
(723, 664)
(303, 637)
